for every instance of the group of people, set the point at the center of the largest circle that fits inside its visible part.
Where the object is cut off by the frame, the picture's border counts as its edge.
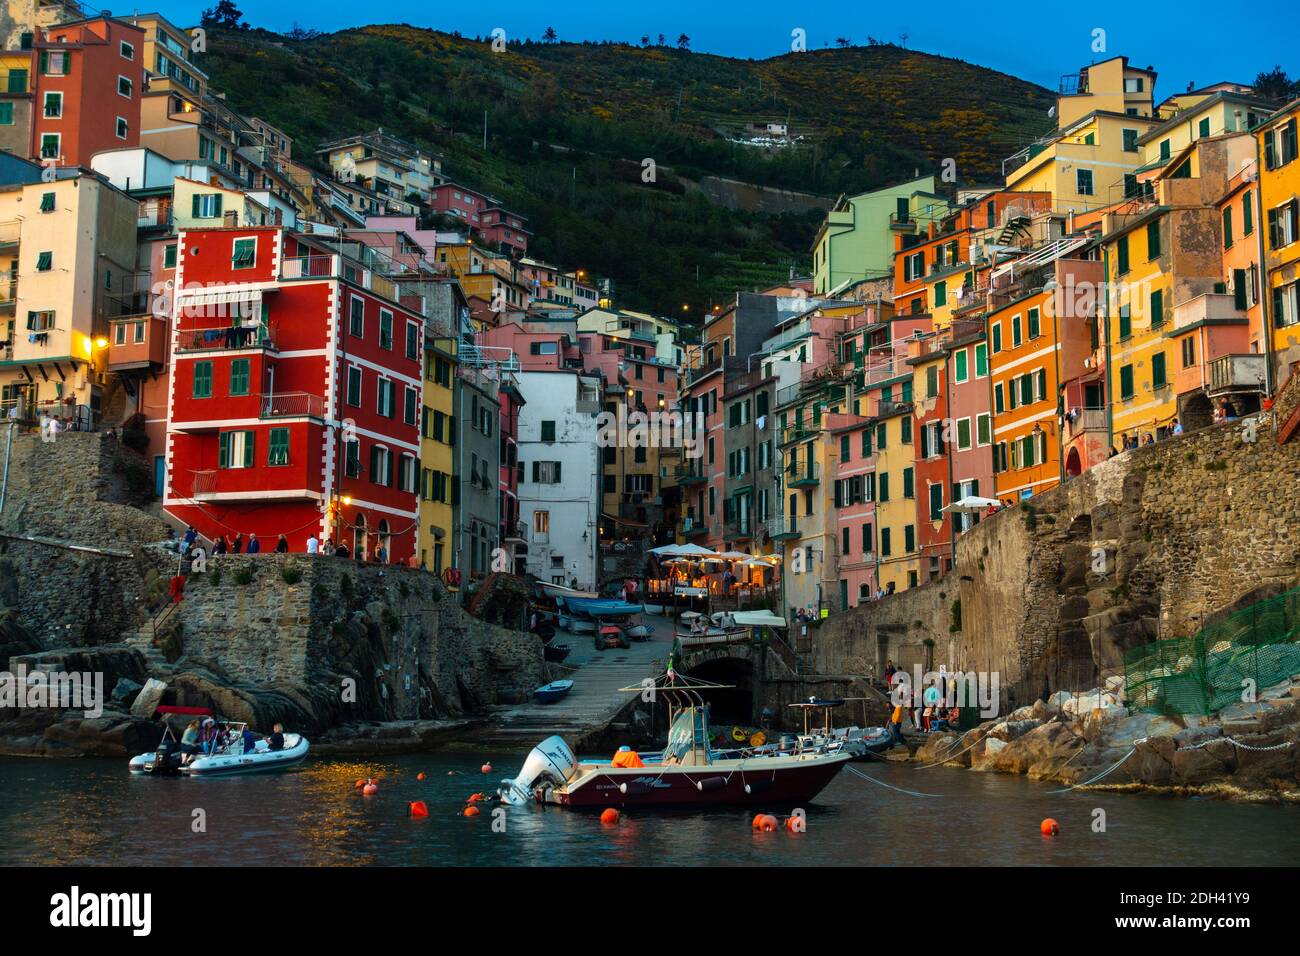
(238, 544)
(930, 716)
(1129, 442)
(209, 737)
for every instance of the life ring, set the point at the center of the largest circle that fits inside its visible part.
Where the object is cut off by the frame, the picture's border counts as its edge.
(738, 735)
(758, 739)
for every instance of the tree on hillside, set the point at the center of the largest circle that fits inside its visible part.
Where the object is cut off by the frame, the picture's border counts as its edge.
(224, 14)
(683, 42)
(662, 40)
(1276, 85)
(843, 42)
(549, 35)
(645, 40)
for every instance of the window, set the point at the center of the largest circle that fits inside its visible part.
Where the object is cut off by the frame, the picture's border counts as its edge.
(50, 145)
(909, 483)
(905, 430)
(1157, 308)
(981, 360)
(239, 375)
(41, 321)
(961, 372)
(1121, 255)
(1015, 331)
(235, 449)
(54, 63)
(122, 128)
(886, 547)
(17, 82)
(53, 105)
(1282, 224)
(386, 397)
(1083, 182)
(411, 406)
(278, 450)
(1126, 382)
(354, 386)
(548, 431)
(124, 87)
(356, 317)
(205, 205)
(548, 473)
(1247, 215)
(882, 490)
(936, 504)
(1130, 140)
(1203, 127)
(997, 337)
(381, 466)
(1034, 323)
(983, 428)
(999, 404)
(244, 254)
(963, 434)
(940, 294)
(127, 51)
(1158, 379)
(412, 340)
(352, 458)
(1125, 322)
(909, 538)
(44, 261)
(1153, 239)
(169, 254)
(1227, 228)
(385, 329)
(542, 522)
(1133, 84)
(202, 380)
(6, 113)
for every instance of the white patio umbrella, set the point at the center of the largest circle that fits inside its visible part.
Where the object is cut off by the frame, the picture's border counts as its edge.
(973, 503)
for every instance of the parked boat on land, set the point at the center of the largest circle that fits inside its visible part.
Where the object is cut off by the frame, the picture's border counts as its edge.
(688, 771)
(555, 653)
(230, 757)
(556, 690)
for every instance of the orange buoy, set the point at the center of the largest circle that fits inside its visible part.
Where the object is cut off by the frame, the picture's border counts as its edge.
(418, 808)
(475, 798)
(793, 824)
(470, 811)
(1049, 827)
(486, 768)
(360, 784)
(609, 816)
(757, 822)
(420, 775)
(766, 823)
(370, 790)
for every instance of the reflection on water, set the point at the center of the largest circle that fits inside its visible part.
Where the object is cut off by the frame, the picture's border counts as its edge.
(92, 811)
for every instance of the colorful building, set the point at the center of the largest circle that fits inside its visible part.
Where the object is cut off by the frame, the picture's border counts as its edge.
(1279, 222)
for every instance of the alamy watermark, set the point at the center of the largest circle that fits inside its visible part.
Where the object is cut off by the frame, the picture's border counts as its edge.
(30, 690)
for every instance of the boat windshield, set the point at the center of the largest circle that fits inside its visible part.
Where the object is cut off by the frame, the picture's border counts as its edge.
(688, 737)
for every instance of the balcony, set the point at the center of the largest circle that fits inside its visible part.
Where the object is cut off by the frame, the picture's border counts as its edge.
(795, 433)
(516, 533)
(292, 405)
(690, 528)
(137, 342)
(250, 485)
(782, 528)
(1209, 307)
(227, 337)
(690, 474)
(738, 530)
(1237, 373)
(1088, 420)
(8, 293)
(802, 476)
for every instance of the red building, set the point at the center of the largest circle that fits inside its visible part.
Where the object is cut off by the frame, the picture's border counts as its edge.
(86, 90)
(295, 394)
(483, 215)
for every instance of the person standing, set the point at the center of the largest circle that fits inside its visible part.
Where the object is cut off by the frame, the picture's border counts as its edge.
(238, 546)
(190, 537)
(313, 546)
(254, 546)
(282, 545)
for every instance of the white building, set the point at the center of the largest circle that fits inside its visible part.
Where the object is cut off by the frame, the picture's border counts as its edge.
(559, 493)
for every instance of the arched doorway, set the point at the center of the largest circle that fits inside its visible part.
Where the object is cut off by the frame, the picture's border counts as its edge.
(732, 706)
(359, 538)
(1073, 466)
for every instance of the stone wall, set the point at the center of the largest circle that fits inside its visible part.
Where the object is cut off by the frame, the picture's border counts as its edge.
(1148, 545)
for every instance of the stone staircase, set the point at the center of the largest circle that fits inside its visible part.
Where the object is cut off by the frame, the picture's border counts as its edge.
(143, 639)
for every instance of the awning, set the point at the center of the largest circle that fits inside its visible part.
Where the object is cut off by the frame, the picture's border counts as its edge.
(973, 503)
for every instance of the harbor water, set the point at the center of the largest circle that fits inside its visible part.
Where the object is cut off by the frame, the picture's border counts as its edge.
(92, 812)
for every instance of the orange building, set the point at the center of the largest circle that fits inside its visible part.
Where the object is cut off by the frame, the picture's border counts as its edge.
(86, 90)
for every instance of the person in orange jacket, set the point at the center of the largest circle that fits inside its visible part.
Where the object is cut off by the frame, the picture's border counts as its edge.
(627, 757)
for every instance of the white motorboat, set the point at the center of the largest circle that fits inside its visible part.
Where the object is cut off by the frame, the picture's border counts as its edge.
(229, 758)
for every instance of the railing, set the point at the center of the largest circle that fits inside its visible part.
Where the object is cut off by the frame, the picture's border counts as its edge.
(781, 526)
(310, 267)
(806, 474)
(1088, 420)
(1238, 373)
(890, 408)
(226, 337)
(8, 289)
(695, 374)
(689, 473)
(205, 483)
(292, 405)
(881, 368)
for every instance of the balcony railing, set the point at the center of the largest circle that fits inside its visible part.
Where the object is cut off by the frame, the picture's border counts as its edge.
(1238, 373)
(689, 474)
(782, 528)
(1087, 420)
(1207, 307)
(800, 475)
(688, 527)
(292, 405)
(224, 337)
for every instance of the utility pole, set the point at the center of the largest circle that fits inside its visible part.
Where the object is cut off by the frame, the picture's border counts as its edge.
(485, 130)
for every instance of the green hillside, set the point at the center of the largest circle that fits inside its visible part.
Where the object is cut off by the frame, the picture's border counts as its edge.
(568, 126)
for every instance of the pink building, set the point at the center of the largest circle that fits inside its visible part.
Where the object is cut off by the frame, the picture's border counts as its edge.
(483, 215)
(853, 458)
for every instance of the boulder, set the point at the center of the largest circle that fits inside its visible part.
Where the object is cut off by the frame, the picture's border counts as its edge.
(1204, 765)
(1021, 713)
(149, 698)
(124, 691)
(1058, 700)
(1039, 711)
(112, 735)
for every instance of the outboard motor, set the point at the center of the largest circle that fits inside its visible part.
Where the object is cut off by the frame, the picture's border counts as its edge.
(167, 758)
(551, 762)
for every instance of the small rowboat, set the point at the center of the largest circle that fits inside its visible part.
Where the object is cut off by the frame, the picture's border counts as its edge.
(555, 652)
(555, 690)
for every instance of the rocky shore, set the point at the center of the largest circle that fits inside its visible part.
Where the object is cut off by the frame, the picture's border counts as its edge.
(1247, 751)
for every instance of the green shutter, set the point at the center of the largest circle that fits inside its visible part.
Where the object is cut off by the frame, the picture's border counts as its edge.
(1121, 255)
(1158, 370)
(1157, 308)
(202, 380)
(1227, 228)
(278, 452)
(997, 337)
(981, 360)
(248, 449)
(1126, 382)
(1125, 322)
(1247, 215)
(909, 488)
(217, 206)
(961, 365)
(1034, 326)
(1239, 289)
(239, 377)
(223, 450)
(194, 206)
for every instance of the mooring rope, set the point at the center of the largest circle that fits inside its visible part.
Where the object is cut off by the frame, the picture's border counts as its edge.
(858, 773)
(1131, 752)
(945, 759)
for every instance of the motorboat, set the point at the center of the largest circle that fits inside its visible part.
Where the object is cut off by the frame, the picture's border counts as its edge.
(554, 691)
(862, 743)
(555, 653)
(688, 772)
(230, 757)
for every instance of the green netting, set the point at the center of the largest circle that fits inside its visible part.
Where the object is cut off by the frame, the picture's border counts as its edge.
(1207, 672)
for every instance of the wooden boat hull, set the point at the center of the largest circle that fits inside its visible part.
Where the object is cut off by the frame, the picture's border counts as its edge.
(752, 785)
(554, 691)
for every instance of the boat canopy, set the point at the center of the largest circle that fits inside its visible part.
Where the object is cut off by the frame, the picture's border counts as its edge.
(757, 619)
(189, 711)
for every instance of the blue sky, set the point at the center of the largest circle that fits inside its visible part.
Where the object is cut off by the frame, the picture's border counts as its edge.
(1202, 42)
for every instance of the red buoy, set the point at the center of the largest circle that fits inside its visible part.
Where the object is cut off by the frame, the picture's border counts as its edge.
(360, 784)
(1049, 827)
(418, 809)
(471, 811)
(610, 816)
(486, 768)
(766, 822)
(370, 790)
(420, 775)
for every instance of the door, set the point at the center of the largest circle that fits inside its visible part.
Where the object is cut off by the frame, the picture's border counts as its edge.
(159, 475)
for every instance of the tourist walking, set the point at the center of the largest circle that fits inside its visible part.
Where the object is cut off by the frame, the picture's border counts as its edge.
(254, 546)
(313, 546)
(237, 546)
(282, 546)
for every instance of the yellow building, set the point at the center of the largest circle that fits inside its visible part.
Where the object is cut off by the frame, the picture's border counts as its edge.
(1279, 215)
(1111, 86)
(896, 515)
(169, 59)
(198, 205)
(67, 250)
(437, 455)
(1193, 117)
(16, 102)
